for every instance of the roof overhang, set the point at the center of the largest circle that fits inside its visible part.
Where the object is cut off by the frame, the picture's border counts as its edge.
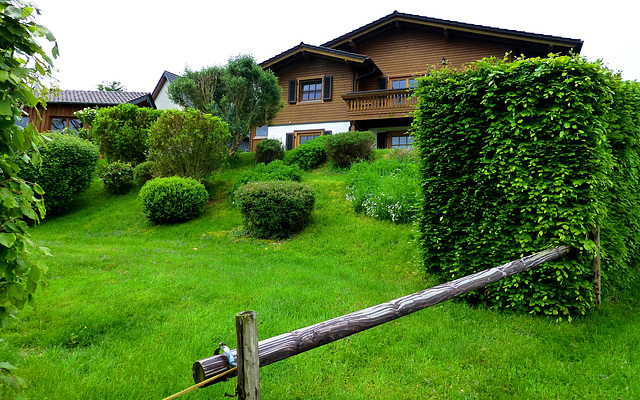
(306, 51)
(397, 20)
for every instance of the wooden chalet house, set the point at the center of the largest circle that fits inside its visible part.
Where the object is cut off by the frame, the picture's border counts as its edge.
(363, 80)
(61, 107)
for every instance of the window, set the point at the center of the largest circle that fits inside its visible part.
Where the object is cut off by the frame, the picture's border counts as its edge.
(262, 130)
(303, 137)
(60, 123)
(23, 122)
(400, 141)
(403, 83)
(311, 90)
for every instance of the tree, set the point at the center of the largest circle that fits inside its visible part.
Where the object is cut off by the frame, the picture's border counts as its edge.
(197, 89)
(241, 93)
(114, 86)
(24, 65)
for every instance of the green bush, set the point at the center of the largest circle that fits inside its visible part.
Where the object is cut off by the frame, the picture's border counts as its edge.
(345, 149)
(385, 189)
(275, 171)
(269, 150)
(122, 132)
(188, 144)
(142, 173)
(524, 156)
(275, 209)
(172, 199)
(310, 154)
(117, 177)
(68, 165)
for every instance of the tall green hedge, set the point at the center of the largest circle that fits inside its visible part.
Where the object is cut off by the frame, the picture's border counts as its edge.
(520, 157)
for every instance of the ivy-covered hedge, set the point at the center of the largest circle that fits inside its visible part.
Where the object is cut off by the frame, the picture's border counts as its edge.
(520, 157)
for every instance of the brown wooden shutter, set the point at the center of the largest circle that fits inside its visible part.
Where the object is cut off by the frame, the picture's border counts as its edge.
(382, 82)
(289, 144)
(327, 82)
(382, 140)
(293, 91)
(327, 133)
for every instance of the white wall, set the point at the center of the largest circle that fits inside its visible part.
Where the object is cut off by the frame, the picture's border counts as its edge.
(163, 102)
(280, 131)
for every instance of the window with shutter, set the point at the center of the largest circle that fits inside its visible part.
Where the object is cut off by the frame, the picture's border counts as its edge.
(327, 82)
(293, 91)
(289, 144)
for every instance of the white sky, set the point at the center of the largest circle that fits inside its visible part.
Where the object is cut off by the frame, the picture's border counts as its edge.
(134, 41)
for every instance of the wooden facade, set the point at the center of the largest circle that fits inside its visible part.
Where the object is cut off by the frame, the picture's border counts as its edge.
(373, 68)
(61, 107)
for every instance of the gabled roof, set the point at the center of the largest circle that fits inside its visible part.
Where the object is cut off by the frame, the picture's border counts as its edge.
(303, 50)
(97, 97)
(396, 18)
(166, 77)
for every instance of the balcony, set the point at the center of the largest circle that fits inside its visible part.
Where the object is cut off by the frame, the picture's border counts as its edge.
(373, 104)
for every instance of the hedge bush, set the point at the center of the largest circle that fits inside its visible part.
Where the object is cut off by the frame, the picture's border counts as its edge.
(142, 173)
(309, 155)
(345, 149)
(117, 177)
(269, 150)
(520, 157)
(275, 209)
(275, 171)
(172, 199)
(188, 143)
(68, 165)
(122, 131)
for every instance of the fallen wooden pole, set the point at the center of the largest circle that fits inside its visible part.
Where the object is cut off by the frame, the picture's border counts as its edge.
(289, 344)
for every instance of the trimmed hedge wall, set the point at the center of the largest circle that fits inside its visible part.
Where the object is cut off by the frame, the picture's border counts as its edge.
(520, 157)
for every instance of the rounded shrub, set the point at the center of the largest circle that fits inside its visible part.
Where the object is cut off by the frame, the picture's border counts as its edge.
(275, 209)
(117, 177)
(310, 154)
(68, 165)
(172, 199)
(275, 171)
(269, 150)
(142, 173)
(348, 148)
(188, 143)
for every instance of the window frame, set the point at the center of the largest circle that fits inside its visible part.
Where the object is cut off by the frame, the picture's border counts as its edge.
(67, 124)
(310, 132)
(407, 145)
(321, 93)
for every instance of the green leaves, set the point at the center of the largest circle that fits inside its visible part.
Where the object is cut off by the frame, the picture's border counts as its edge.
(517, 158)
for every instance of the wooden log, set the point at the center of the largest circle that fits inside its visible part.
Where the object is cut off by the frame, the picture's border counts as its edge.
(289, 344)
(248, 360)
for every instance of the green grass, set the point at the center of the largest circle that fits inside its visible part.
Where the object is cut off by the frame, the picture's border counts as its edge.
(130, 306)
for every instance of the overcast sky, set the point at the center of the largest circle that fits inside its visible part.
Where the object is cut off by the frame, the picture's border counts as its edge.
(134, 41)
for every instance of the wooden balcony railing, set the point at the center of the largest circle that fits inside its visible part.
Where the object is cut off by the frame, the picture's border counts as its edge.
(394, 103)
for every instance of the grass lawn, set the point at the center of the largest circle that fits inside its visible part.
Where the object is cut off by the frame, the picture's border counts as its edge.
(130, 306)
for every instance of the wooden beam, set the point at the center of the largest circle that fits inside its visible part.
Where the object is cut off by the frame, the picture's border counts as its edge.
(398, 26)
(353, 45)
(290, 344)
(446, 35)
(248, 361)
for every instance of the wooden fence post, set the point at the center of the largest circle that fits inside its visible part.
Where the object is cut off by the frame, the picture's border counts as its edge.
(597, 289)
(248, 357)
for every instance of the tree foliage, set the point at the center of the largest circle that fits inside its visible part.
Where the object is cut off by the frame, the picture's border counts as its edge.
(24, 64)
(241, 93)
(113, 86)
(519, 157)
